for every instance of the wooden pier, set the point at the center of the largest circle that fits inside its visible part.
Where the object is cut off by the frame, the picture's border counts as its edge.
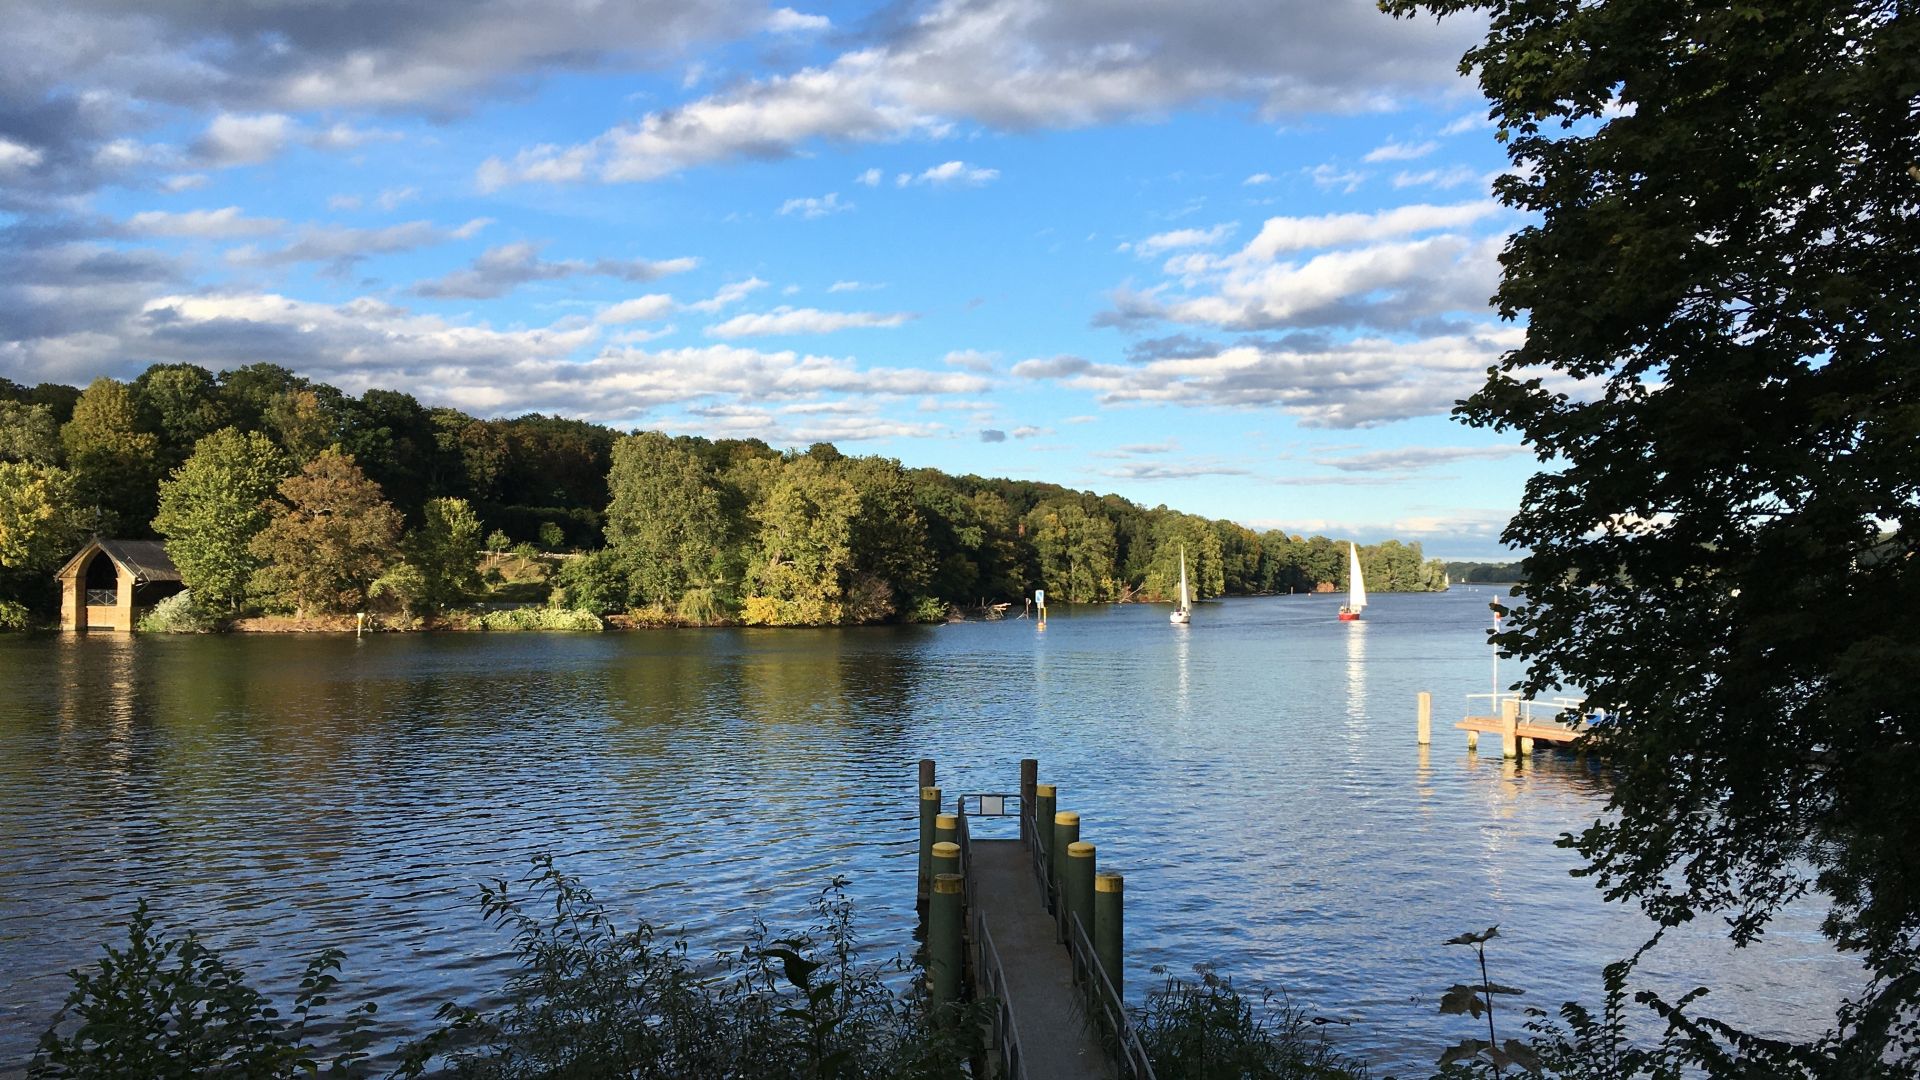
(1519, 722)
(1027, 940)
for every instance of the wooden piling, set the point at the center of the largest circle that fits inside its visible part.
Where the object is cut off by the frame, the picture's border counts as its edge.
(1066, 833)
(929, 810)
(945, 922)
(946, 859)
(926, 772)
(1109, 927)
(1079, 886)
(1044, 798)
(1426, 718)
(1510, 728)
(946, 830)
(1029, 779)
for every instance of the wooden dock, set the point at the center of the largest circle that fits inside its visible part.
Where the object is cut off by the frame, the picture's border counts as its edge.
(1519, 722)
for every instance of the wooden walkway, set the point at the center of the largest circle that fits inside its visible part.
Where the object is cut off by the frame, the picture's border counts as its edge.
(1057, 1038)
(1493, 725)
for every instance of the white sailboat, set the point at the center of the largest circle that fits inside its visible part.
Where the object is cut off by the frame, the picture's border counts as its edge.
(1356, 586)
(1183, 613)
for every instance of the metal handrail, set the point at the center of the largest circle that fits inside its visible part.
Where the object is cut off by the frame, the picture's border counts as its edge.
(1559, 706)
(992, 979)
(1129, 1054)
(103, 597)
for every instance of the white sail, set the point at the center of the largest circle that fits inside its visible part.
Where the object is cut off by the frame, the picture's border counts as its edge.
(1356, 585)
(1185, 604)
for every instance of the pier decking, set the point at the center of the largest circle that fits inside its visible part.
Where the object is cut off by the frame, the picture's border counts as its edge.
(1056, 1037)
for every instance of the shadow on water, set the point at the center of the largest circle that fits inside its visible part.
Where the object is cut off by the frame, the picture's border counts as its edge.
(1255, 776)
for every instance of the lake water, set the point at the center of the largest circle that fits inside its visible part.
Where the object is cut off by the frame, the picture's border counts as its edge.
(1255, 776)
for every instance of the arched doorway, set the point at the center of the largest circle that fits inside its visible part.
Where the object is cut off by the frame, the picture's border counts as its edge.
(102, 581)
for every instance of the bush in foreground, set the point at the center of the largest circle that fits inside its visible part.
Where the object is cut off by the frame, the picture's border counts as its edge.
(1208, 1030)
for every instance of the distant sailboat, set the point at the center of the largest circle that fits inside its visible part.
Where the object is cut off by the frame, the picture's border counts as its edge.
(1182, 614)
(1356, 586)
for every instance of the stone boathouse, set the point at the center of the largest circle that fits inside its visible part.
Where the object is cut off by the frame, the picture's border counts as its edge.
(108, 584)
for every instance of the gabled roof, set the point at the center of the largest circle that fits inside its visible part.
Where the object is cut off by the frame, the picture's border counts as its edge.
(145, 560)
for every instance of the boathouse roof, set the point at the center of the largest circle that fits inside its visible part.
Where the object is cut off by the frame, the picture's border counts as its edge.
(145, 560)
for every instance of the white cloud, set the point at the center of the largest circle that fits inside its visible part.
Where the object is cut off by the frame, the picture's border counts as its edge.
(499, 270)
(18, 157)
(639, 309)
(792, 320)
(1473, 121)
(1184, 238)
(222, 224)
(244, 139)
(1407, 460)
(731, 293)
(1394, 150)
(950, 173)
(1283, 234)
(1451, 176)
(344, 202)
(1078, 62)
(1328, 177)
(870, 178)
(1257, 179)
(391, 198)
(970, 360)
(183, 182)
(342, 247)
(817, 207)
(788, 21)
(853, 286)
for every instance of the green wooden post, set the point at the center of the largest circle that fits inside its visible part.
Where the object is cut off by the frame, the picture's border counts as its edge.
(1079, 894)
(1043, 807)
(1029, 780)
(1066, 831)
(943, 942)
(929, 810)
(946, 858)
(1110, 927)
(946, 829)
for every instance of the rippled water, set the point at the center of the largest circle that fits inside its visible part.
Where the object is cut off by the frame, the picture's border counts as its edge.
(1255, 776)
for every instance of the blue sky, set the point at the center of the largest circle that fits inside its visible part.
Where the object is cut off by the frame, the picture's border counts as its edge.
(1233, 258)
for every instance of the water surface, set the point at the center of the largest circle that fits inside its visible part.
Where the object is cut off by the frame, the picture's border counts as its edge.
(1255, 776)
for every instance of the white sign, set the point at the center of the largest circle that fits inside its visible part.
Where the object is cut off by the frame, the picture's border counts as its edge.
(1040, 597)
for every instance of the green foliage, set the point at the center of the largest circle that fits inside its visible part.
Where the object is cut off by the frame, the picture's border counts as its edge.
(445, 550)
(928, 609)
(180, 402)
(39, 516)
(116, 465)
(595, 582)
(180, 613)
(539, 618)
(1722, 244)
(803, 560)
(212, 508)
(1206, 566)
(552, 536)
(163, 1008)
(330, 534)
(665, 517)
(589, 999)
(1074, 550)
(1470, 1056)
(498, 541)
(1208, 1030)
(15, 616)
(29, 434)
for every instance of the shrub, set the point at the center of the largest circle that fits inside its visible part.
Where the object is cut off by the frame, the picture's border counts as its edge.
(1207, 1029)
(928, 609)
(552, 536)
(177, 614)
(526, 551)
(540, 618)
(498, 541)
(171, 1008)
(15, 616)
(595, 582)
(700, 607)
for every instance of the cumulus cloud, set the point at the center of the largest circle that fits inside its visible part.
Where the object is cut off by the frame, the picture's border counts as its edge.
(1407, 460)
(1329, 177)
(340, 248)
(1394, 150)
(1257, 179)
(792, 320)
(1079, 62)
(499, 270)
(949, 174)
(970, 360)
(871, 178)
(15, 157)
(1166, 470)
(816, 207)
(853, 286)
(1284, 234)
(1347, 384)
(1451, 176)
(787, 21)
(639, 309)
(1184, 238)
(226, 223)
(727, 295)
(243, 139)
(992, 435)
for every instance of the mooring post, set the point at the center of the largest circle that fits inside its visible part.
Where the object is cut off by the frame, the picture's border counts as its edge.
(1044, 798)
(1510, 728)
(1079, 888)
(1426, 717)
(1526, 747)
(1066, 833)
(1473, 742)
(946, 858)
(1110, 927)
(929, 810)
(1029, 779)
(946, 829)
(926, 772)
(944, 924)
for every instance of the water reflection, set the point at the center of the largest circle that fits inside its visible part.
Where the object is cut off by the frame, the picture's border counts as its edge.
(282, 794)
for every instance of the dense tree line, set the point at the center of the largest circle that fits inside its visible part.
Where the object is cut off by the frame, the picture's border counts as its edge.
(1478, 573)
(278, 492)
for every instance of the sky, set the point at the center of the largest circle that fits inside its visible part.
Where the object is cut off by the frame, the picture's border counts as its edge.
(1232, 257)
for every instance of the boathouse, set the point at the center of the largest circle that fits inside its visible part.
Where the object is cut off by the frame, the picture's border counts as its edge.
(108, 584)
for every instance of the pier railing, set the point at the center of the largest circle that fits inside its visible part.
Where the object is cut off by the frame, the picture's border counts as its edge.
(1535, 710)
(1088, 973)
(989, 974)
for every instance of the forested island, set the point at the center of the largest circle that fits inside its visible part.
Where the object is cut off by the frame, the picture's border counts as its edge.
(277, 494)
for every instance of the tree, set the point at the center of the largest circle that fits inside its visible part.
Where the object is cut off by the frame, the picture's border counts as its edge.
(804, 552)
(1206, 571)
(29, 433)
(1075, 550)
(889, 537)
(38, 521)
(181, 404)
(445, 549)
(213, 506)
(664, 520)
(115, 463)
(1725, 246)
(330, 535)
